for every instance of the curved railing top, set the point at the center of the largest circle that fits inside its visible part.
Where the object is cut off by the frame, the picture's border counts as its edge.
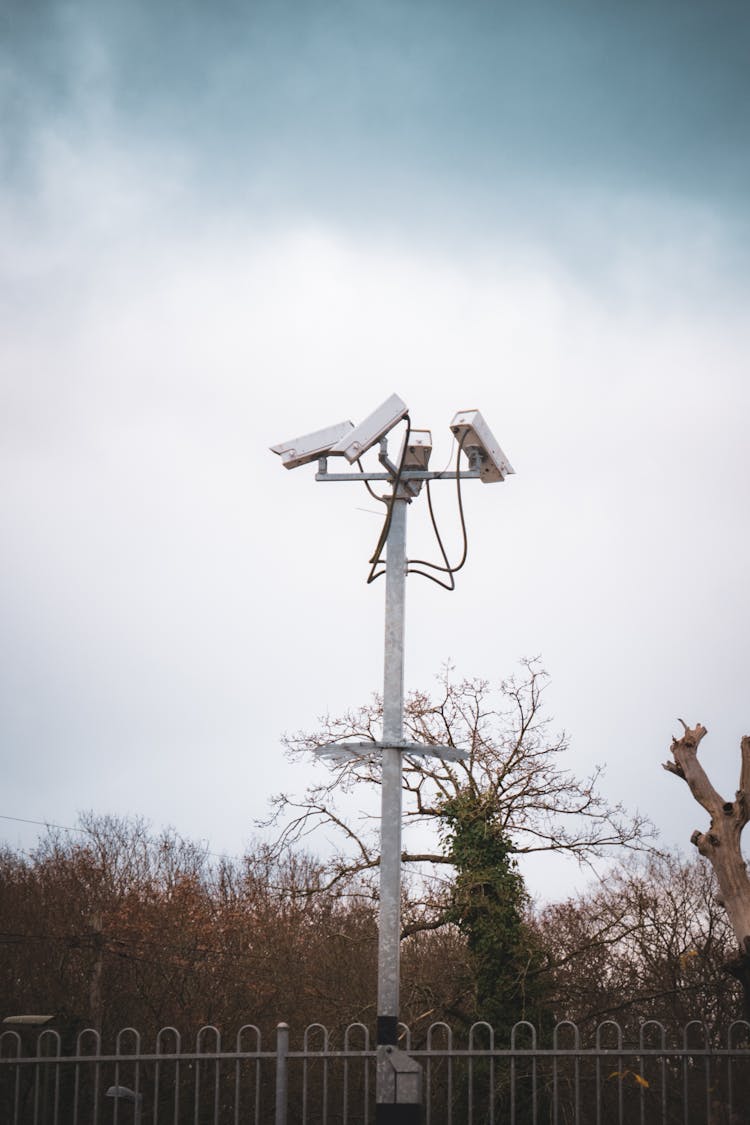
(136, 1039)
(171, 1031)
(484, 1028)
(566, 1025)
(644, 1033)
(440, 1025)
(360, 1027)
(744, 1025)
(208, 1029)
(566, 1035)
(604, 1029)
(246, 1029)
(9, 1036)
(316, 1028)
(526, 1025)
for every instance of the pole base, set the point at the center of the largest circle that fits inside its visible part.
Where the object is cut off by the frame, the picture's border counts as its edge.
(398, 1088)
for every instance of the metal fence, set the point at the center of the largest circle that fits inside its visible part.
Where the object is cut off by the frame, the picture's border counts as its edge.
(691, 1078)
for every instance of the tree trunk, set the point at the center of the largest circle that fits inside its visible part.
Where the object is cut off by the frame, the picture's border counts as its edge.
(721, 843)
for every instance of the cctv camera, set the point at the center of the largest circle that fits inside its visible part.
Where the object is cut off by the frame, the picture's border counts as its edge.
(416, 456)
(357, 441)
(418, 450)
(472, 432)
(301, 450)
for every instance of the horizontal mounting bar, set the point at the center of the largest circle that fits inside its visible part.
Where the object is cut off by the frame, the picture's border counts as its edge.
(407, 474)
(343, 751)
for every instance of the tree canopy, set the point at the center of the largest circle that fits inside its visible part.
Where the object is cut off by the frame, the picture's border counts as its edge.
(515, 770)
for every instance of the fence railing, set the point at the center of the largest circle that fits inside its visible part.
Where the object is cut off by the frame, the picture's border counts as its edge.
(652, 1079)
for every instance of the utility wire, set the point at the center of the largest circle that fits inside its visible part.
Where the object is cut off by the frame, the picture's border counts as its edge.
(43, 823)
(210, 878)
(88, 832)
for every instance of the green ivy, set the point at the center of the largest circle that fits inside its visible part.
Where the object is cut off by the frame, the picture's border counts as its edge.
(488, 904)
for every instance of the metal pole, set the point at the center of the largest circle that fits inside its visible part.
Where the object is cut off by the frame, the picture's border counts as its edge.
(390, 817)
(282, 1076)
(398, 1078)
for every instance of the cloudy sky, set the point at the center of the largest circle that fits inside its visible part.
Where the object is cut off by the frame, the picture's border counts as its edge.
(223, 225)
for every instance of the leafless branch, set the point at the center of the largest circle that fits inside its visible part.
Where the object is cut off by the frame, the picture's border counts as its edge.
(513, 756)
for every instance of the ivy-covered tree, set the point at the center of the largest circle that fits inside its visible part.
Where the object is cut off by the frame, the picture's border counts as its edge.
(488, 904)
(515, 769)
(510, 795)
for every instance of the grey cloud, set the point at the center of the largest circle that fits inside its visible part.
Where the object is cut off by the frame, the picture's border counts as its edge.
(398, 107)
(162, 604)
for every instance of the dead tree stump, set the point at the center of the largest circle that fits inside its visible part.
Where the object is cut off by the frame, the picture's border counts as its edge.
(720, 844)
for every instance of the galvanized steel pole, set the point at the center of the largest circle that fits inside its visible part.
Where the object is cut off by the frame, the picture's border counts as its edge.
(398, 1078)
(390, 816)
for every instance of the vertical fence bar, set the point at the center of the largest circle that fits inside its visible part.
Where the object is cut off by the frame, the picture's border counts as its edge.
(686, 1070)
(347, 1047)
(237, 1084)
(606, 1051)
(203, 1054)
(49, 1035)
(36, 1090)
(448, 1054)
(308, 1054)
(491, 1093)
(282, 1073)
(731, 1060)
(14, 1038)
(556, 1048)
(644, 1083)
(707, 1057)
(89, 1031)
(121, 1056)
(514, 1076)
(157, 1073)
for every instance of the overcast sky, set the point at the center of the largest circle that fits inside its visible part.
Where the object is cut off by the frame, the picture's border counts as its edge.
(223, 225)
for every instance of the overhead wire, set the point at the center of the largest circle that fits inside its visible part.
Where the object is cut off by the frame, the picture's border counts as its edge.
(88, 832)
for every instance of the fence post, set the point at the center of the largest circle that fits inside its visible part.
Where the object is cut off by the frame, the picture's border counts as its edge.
(282, 1088)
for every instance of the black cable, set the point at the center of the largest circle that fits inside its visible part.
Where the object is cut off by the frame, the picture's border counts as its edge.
(375, 559)
(447, 569)
(368, 486)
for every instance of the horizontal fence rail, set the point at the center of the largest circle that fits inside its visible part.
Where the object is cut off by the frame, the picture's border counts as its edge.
(691, 1078)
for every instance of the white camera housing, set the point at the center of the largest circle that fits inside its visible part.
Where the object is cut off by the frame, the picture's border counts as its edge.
(416, 456)
(418, 450)
(358, 440)
(472, 432)
(309, 447)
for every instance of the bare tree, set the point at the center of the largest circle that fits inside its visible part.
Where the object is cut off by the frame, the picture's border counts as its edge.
(114, 925)
(721, 843)
(514, 768)
(646, 942)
